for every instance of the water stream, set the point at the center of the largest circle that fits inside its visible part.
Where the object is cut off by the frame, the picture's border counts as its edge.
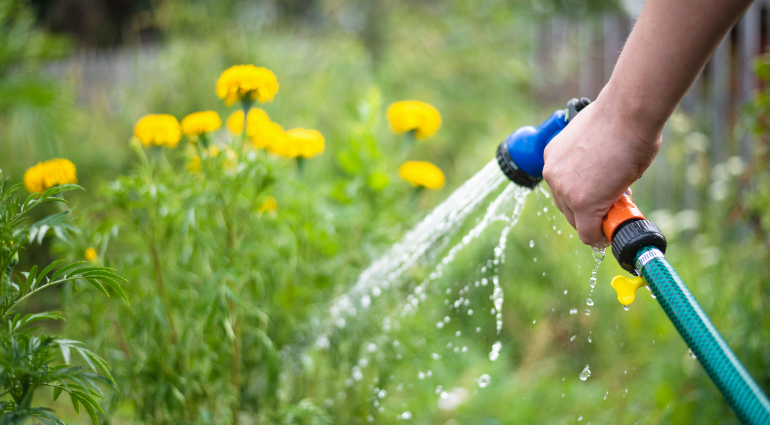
(410, 274)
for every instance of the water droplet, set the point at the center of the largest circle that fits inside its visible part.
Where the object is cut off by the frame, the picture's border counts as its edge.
(465, 349)
(534, 321)
(440, 325)
(580, 418)
(692, 354)
(478, 329)
(589, 338)
(605, 395)
(572, 338)
(406, 415)
(458, 333)
(495, 353)
(535, 259)
(626, 307)
(470, 312)
(421, 375)
(565, 292)
(484, 380)
(588, 312)
(446, 319)
(531, 244)
(382, 394)
(589, 301)
(435, 356)
(370, 419)
(585, 373)
(371, 347)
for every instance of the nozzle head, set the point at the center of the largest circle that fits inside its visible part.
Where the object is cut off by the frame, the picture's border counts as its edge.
(512, 171)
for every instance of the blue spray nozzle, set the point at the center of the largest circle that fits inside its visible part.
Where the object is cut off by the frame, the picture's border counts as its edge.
(520, 155)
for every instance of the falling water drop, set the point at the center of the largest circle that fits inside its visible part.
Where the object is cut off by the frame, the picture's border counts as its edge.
(626, 307)
(588, 312)
(531, 244)
(585, 373)
(484, 380)
(589, 302)
(495, 353)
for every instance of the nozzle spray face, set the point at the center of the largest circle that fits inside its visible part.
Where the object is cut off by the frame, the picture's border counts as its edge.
(520, 155)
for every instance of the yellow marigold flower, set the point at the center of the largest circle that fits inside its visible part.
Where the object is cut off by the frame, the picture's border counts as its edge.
(421, 173)
(242, 81)
(158, 130)
(90, 254)
(305, 143)
(198, 123)
(48, 174)
(270, 136)
(269, 205)
(409, 115)
(257, 117)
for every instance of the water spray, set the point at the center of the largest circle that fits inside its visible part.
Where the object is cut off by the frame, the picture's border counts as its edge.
(639, 247)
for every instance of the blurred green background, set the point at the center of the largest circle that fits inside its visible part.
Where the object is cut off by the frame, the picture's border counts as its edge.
(77, 75)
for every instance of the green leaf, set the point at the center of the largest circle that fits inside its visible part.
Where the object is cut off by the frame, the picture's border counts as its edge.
(75, 403)
(102, 365)
(56, 393)
(89, 404)
(50, 267)
(97, 285)
(33, 276)
(66, 268)
(50, 315)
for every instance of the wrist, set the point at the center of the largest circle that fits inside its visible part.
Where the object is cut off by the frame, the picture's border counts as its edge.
(642, 116)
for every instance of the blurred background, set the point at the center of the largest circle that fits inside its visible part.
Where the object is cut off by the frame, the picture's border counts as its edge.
(76, 75)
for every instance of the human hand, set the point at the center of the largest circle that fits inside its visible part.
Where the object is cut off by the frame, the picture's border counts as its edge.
(594, 160)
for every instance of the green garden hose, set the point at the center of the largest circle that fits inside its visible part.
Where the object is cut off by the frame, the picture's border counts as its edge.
(725, 370)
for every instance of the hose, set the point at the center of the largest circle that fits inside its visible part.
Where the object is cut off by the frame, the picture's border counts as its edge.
(725, 370)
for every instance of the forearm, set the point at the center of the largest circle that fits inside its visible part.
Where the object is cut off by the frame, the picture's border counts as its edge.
(668, 47)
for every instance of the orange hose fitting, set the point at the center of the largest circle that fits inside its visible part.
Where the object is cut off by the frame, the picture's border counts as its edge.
(621, 211)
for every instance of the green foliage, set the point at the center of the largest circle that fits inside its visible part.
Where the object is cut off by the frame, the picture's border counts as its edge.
(26, 358)
(758, 120)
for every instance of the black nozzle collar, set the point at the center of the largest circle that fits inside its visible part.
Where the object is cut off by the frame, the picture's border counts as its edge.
(632, 236)
(512, 171)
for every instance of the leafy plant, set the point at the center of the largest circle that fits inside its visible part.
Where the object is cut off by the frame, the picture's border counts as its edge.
(27, 359)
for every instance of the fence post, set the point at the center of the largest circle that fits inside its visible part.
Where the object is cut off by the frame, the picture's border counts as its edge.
(749, 43)
(719, 81)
